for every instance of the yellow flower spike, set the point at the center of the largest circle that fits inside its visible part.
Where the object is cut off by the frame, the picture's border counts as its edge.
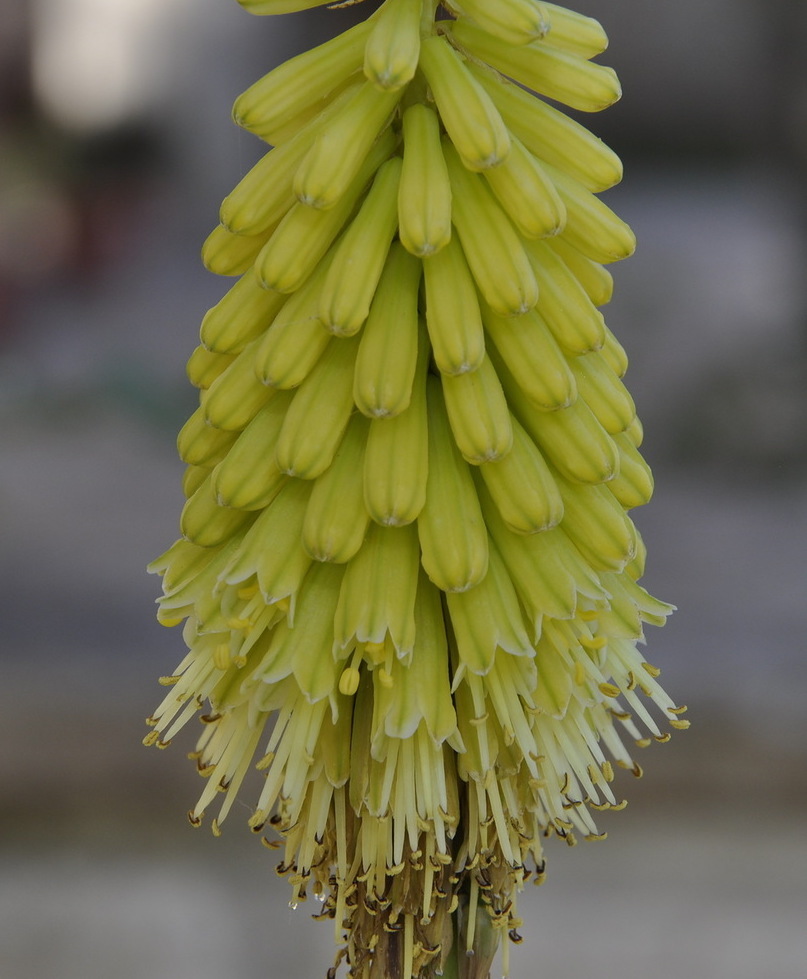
(525, 344)
(575, 322)
(598, 526)
(575, 32)
(634, 485)
(341, 147)
(424, 194)
(287, 92)
(236, 396)
(421, 690)
(550, 135)
(336, 518)
(378, 591)
(305, 234)
(451, 512)
(614, 355)
(180, 563)
(290, 348)
(313, 666)
(391, 54)
(471, 120)
(478, 414)
(494, 251)
(240, 316)
(452, 311)
(204, 366)
(546, 568)
(396, 462)
(352, 279)
(408, 557)
(298, 651)
(200, 444)
(571, 438)
(192, 479)
(549, 71)
(388, 349)
(527, 194)
(319, 413)
(603, 392)
(225, 253)
(523, 487)
(264, 195)
(272, 549)
(592, 227)
(514, 21)
(204, 522)
(597, 281)
(249, 477)
(487, 618)
(280, 6)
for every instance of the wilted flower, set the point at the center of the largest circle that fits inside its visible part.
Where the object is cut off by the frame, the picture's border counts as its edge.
(405, 541)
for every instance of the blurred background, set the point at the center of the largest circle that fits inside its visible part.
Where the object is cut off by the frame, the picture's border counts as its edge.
(116, 147)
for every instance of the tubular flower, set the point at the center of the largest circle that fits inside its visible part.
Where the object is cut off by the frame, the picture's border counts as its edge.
(407, 573)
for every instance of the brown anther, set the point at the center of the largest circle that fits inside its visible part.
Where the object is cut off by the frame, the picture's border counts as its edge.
(514, 936)
(620, 715)
(193, 819)
(209, 718)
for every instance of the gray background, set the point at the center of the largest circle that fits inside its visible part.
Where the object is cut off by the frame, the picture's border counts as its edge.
(113, 158)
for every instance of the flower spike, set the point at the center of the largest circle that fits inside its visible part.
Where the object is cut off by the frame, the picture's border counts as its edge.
(407, 570)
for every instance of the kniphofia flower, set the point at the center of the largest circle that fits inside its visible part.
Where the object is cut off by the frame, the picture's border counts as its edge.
(407, 572)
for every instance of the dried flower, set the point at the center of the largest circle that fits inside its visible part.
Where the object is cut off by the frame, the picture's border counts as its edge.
(405, 542)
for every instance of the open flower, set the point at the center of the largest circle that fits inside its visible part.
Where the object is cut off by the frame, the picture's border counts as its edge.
(407, 573)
